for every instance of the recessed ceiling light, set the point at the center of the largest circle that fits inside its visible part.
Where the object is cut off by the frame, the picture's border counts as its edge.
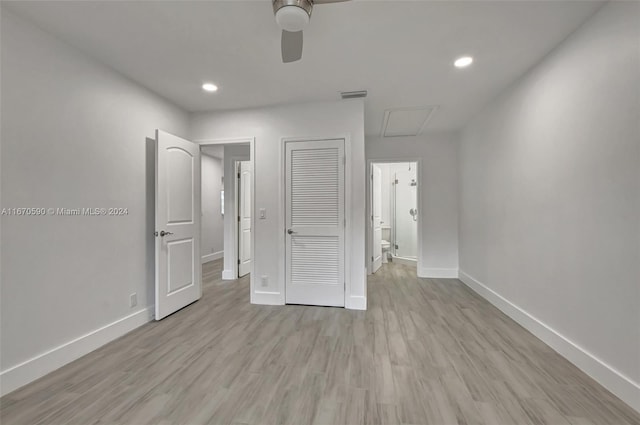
(463, 62)
(210, 87)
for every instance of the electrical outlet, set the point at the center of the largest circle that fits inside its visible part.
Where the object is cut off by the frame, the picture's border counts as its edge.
(264, 280)
(133, 299)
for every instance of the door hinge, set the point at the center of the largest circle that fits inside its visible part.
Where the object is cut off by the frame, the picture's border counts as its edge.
(238, 262)
(371, 258)
(238, 176)
(238, 219)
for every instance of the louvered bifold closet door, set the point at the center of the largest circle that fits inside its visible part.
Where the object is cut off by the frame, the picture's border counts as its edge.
(315, 222)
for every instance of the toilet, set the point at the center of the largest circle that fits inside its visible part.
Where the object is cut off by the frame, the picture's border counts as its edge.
(386, 245)
(385, 251)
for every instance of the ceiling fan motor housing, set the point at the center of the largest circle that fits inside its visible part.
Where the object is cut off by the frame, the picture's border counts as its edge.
(292, 15)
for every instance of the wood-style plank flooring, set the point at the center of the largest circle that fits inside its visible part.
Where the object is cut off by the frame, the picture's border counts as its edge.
(428, 351)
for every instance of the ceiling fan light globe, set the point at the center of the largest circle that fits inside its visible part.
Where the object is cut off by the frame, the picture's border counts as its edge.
(292, 18)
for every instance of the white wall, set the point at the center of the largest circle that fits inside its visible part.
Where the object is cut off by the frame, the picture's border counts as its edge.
(437, 155)
(550, 200)
(73, 135)
(212, 232)
(269, 126)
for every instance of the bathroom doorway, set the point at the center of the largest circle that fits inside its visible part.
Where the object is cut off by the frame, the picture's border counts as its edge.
(395, 216)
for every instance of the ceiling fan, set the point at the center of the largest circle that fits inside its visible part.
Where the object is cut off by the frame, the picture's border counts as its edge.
(293, 16)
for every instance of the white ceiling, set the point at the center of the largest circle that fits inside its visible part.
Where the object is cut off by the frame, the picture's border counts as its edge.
(400, 51)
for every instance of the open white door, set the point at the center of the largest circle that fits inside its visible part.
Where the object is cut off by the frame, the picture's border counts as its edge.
(178, 270)
(315, 223)
(376, 216)
(244, 218)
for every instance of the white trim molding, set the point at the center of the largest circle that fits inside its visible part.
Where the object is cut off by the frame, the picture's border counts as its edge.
(620, 385)
(229, 275)
(266, 297)
(437, 273)
(212, 256)
(42, 364)
(355, 302)
(403, 261)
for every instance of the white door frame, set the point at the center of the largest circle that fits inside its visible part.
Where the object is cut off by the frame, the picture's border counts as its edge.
(347, 213)
(370, 162)
(234, 159)
(376, 224)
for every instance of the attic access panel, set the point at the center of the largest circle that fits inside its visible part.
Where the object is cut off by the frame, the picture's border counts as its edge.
(406, 121)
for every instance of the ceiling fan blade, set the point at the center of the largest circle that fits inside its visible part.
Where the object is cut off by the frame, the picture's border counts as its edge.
(291, 46)
(328, 1)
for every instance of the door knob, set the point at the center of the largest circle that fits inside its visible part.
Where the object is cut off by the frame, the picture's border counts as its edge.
(163, 233)
(291, 232)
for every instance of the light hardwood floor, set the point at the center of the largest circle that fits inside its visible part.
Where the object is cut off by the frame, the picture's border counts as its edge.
(428, 351)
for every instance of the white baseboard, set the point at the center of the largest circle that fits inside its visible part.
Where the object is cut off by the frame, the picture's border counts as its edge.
(620, 385)
(276, 298)
(228, 275)
(267, 298)
(356, 303)
(404, 261)
(438, 273)
(38, 366)
(212, 256)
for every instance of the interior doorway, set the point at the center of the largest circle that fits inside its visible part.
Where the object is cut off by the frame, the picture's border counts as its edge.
(235, 200)
(394, 214)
